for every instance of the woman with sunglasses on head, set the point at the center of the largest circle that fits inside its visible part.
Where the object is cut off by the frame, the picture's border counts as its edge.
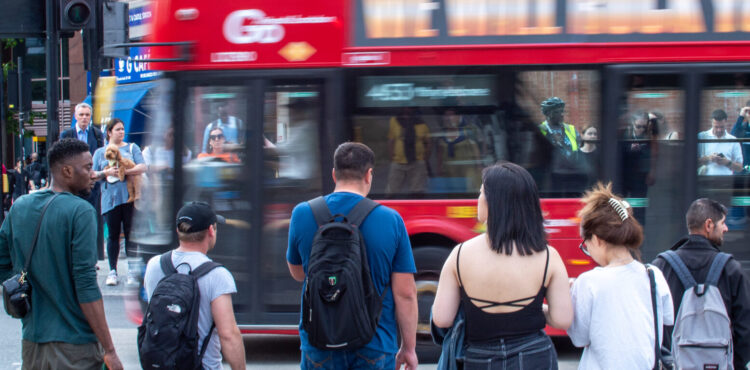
(614, 319)
(216, 142)
(501, 278)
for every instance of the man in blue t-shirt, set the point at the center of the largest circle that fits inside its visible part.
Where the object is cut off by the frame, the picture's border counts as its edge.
(391, 265)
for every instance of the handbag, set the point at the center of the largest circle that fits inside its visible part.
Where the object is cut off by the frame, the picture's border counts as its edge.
(17, 289)
(663, 356)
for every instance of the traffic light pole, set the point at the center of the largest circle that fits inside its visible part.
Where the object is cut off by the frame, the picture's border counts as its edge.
(51, 60)
(21, 108)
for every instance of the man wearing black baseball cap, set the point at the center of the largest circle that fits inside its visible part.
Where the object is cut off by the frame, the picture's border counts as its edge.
(197, 232)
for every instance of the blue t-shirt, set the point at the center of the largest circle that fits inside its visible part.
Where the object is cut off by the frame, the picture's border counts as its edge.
(388, 251)
(114, 194)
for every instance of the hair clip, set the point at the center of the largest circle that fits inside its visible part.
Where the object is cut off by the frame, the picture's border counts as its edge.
(620, 207)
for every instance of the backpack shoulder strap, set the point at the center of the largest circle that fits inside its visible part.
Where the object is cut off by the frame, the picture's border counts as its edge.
(717, 266)
(205, 268)
(679, 267)
(359, 213)
(320, 210)
(166, 264)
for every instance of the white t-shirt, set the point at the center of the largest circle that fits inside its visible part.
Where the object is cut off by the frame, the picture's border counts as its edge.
(730, 149)
(212, 285)
(613, 317)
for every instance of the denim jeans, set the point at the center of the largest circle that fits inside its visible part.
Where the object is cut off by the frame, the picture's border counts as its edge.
(363, 358)
(533, 351)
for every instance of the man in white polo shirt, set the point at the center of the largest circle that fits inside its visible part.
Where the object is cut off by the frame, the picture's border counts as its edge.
(718, 158)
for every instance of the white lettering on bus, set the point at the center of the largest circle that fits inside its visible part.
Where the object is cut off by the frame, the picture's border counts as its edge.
(237, 31)
(249, 26)
(239, 56)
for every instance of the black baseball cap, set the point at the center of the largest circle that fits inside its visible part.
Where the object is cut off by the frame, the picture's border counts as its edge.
(199, 216)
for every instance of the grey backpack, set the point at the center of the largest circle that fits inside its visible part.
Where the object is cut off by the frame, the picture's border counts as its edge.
(702, 335)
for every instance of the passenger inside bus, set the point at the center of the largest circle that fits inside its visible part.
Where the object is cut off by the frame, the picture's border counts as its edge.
(639, 154)
(589, 154)
(718, 158)
(458, 157)
(566, 169)
(230, 125)
(216, 147)
(409, 149)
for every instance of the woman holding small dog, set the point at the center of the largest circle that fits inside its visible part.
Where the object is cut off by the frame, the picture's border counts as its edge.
(117, 203)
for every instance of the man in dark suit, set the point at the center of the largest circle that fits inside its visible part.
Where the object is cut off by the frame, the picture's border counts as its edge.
(92, 136)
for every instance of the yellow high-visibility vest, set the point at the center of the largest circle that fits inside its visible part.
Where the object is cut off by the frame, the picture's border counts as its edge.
(570, 132)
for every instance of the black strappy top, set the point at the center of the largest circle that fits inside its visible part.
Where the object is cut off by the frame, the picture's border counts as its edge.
(482, 326)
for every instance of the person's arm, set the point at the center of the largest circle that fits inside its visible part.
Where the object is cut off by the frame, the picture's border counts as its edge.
(582, 301)
(740, 310)
(560, 307)
(140, 164)
(232, 346)
(297, 272)
(405, 300)
(738, 124)
(448, 295)
(6, 264)
(94, 313)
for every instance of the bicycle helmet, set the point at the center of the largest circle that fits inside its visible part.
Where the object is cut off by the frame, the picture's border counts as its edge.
(552, 104)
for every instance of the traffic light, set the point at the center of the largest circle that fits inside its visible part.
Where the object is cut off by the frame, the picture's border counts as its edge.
(77, 14)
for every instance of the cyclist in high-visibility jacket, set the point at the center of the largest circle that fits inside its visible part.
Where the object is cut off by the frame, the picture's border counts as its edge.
(564, 136)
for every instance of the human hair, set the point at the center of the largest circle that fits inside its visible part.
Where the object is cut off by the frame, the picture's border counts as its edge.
(514, 214)
(64, 149)
(351, 161)
(602, 215)
(701, 210)
(588, 127)
(184, 236)
(719, 115)
(82, 105)
(111, 125)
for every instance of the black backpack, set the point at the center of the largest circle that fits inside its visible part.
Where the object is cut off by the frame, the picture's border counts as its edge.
(341, 306)
(168, 336)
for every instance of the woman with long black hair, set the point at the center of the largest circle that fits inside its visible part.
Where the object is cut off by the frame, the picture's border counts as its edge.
(501, 278)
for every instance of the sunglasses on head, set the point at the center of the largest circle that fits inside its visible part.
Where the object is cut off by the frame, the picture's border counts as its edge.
(216, 137)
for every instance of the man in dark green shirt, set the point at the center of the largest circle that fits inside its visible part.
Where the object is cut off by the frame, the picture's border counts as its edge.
(66, 327)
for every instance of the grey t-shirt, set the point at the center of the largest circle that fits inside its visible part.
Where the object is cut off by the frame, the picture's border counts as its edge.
(214, 284)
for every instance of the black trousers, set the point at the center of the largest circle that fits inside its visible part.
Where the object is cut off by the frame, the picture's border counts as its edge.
(121, 215)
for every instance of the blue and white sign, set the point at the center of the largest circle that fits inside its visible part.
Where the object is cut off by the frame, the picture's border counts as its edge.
(133, 70)
(139, 19)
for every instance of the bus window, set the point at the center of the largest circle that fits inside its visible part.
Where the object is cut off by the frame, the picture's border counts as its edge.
(724, 153)
(433, 134)
(292, 174)
(651, 154)
(563, 107)
(213, 132)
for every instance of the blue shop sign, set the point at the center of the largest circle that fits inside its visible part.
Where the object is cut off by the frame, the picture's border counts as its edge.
(133, 70)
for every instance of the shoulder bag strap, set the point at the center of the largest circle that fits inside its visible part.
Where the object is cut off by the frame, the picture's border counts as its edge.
(657, 345)
(679, 267)
(205, 268)
(36, 233)
(717, 266)
(361, 210)
(166, 264)
(320, 210)
(199, 272)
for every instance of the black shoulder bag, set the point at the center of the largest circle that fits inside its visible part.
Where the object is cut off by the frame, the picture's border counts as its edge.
(17, 289)
(664, 359)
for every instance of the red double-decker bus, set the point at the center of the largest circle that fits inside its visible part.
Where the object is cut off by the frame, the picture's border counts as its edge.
(256, 96)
